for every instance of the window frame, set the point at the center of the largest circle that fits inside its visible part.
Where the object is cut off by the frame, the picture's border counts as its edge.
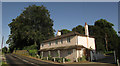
(61, 41)
(68, 39)
(42, 45)
(56, 41)
(49, 43)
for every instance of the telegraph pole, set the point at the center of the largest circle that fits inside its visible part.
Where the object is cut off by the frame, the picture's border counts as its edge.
(2, 42)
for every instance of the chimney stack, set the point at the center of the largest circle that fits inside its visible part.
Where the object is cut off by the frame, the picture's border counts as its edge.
(58, 33)
(86, 29)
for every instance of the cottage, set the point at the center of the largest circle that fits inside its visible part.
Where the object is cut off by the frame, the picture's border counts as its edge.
(71, 46)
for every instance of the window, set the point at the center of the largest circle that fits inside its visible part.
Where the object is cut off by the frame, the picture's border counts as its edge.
(61, 41)
(42, 45)
(56, 42)
(68, 39)
(69, 52)
(49, 43)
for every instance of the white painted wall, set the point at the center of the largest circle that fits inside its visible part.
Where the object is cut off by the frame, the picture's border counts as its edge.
(79, 53)
(82, 40)
(91, 43)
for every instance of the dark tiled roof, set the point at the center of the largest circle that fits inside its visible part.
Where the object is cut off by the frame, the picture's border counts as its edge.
(63, 36)
(64, 47)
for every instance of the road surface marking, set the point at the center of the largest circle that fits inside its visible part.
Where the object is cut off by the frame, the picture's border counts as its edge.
(23, 60)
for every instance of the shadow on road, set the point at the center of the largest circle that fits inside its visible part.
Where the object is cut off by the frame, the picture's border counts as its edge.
(109, 58)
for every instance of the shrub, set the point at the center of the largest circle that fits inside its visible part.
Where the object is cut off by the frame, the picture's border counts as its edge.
(33, 52)
(56, 59)
(61, 60)
(32, 47)
(44, 58)
(50, 58)
(82, 58)
(67, 60)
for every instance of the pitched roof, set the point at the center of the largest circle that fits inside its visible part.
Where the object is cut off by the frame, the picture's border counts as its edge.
(63, 36)
(64, 47)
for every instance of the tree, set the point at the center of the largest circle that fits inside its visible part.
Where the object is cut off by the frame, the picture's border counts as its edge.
(97, 32)
(4, 50)
(104, 34)
(32, 26)
(65, 31)
(80, 29)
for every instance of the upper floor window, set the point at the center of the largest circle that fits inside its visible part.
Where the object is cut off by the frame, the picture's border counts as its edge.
(42, 45)
(56, 42)
(68, 39)
(49, 43)
(61, 41)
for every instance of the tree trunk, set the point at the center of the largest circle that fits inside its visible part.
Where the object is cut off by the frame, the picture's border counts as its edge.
(106, 41)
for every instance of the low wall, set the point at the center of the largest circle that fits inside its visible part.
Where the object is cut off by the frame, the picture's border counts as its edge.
(21, 52)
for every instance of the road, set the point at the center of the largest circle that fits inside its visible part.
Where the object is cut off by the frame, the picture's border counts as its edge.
(17, 60)
(108, 59)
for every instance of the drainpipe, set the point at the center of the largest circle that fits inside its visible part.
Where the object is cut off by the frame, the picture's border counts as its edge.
(77, 50)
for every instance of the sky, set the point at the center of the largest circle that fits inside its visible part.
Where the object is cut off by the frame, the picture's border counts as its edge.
(65, 15)
(0, 23)
(60, 0)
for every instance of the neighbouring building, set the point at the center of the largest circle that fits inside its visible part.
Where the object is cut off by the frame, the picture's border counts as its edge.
(71, 46)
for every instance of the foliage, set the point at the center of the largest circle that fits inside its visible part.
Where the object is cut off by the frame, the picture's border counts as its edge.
(108, 52)
(104, 34)
(4, 50)
(3, 63)
(32, 47)
(32, 26)
(65, 31)
(33, 52)
(56, 59)
(82, 58)
(80, 29)
(44, 58)
(61, 59)
(50, 58)
(67, 60)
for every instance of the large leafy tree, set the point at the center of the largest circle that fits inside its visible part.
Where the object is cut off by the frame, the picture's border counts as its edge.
(65, 31)
(32, 26)
(105, 36)
(80, 29)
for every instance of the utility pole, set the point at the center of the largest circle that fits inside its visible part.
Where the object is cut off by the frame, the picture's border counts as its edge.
(2, 42)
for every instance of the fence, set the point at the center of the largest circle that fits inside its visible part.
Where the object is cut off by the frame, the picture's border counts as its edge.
(96, 55)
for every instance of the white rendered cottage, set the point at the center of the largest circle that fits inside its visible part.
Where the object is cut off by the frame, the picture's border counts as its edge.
(71, 46)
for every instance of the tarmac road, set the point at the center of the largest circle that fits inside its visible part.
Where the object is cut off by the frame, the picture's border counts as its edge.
(17, 60)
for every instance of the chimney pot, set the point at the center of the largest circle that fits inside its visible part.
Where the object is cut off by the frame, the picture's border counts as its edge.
(58, 33)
